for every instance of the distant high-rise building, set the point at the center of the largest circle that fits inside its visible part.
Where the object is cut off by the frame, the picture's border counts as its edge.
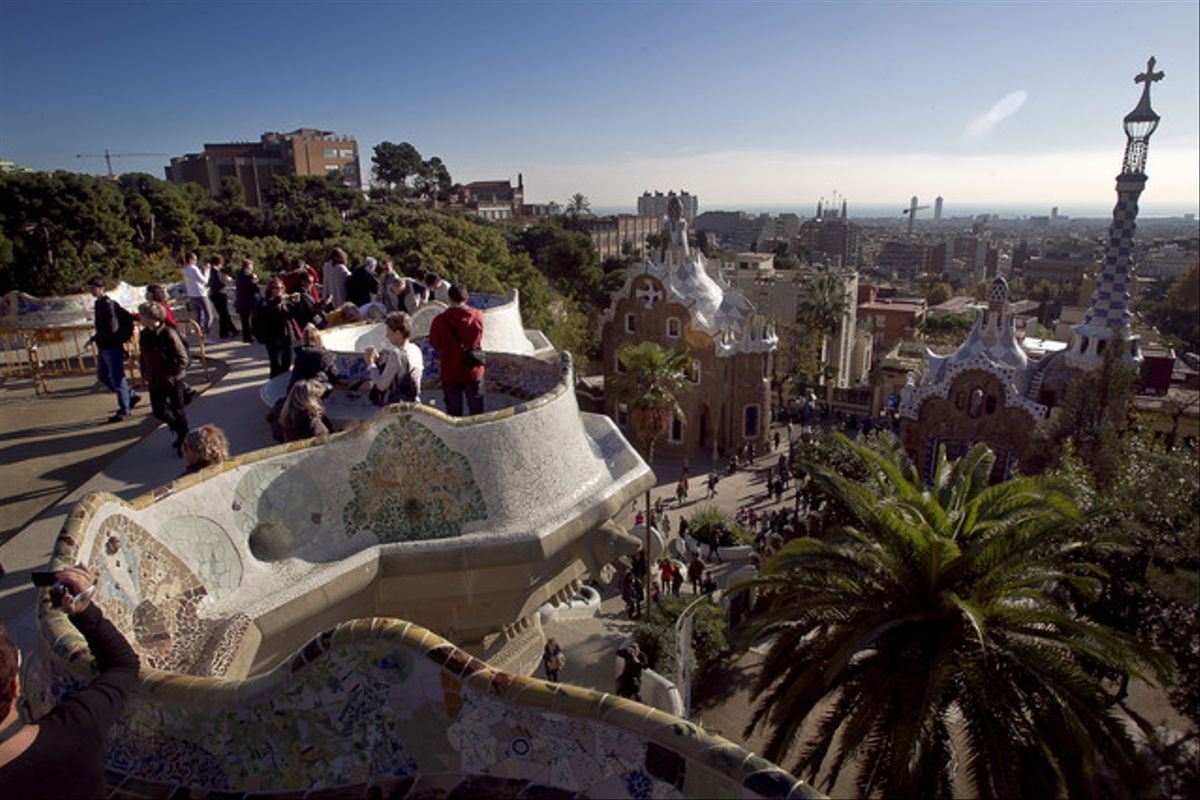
(305, 151)
(832, 239)
(655, 205)
(937, 208)
(1054, 214)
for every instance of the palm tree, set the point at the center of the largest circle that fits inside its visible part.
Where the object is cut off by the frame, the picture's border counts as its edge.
(649, 387)
(821, 308)
(578, 205)
(933, 630)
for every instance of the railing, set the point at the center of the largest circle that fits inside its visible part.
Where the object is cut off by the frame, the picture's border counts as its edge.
(52, 352)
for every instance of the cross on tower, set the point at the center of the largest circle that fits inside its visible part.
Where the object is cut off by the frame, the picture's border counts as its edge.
(649, 295)
(1149, 76)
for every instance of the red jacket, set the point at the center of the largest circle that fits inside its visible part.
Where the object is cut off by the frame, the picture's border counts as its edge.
(467, 325)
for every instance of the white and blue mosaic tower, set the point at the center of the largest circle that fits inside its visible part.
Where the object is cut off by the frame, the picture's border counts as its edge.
(1108, 317)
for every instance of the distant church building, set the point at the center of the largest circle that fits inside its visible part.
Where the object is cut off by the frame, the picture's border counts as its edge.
(676, 301)
(988, 390)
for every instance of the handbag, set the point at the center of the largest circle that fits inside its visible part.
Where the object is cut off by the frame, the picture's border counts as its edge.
(473, 357)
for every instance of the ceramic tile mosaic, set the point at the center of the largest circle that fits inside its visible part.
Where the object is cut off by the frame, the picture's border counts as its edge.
(207, 549)
(411, 486)
(154, 598)
(385, 704)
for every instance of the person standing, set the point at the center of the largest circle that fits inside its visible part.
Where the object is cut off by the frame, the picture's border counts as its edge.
(155, 293)
(335, 274)
(396, 371)
(437, 288)
(362, 285)
(114, 327)
(62, 754)
(195, 282)
(246, 286)
(218, 293)
(273, 326)
(696, 573)
(456, 334)
(629, 683)
(164, 359)
(553, 659)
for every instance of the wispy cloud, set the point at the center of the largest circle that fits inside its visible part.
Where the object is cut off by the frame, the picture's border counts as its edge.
(1004, 108)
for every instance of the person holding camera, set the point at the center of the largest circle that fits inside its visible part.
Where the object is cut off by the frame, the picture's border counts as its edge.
(62, 753)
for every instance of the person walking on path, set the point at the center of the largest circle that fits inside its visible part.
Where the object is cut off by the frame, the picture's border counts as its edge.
(164, 360)
(195, 282)
(246, 295)
(62, 754)
(553, 659)
(696, 573)
(629, 683)
(456, 334)
(114, 327)
(712, 485)
(218, 293)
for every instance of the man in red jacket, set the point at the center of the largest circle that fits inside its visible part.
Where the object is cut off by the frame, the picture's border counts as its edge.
(454, 334)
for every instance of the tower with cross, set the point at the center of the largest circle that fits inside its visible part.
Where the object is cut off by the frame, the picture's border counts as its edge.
(1106, 323)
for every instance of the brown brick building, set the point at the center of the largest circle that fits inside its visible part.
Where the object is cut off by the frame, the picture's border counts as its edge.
(305, 151)
(680, 304)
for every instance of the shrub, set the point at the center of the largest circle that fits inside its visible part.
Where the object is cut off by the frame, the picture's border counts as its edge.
(655, 635)
(710, 525)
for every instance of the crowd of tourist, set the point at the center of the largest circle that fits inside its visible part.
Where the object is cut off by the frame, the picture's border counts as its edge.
(286, 313)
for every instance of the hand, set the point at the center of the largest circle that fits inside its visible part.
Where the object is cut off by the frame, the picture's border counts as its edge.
(77, 580)
(369, 355)
(294, 297)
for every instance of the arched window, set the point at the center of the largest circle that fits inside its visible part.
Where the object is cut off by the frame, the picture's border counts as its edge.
(976, 406)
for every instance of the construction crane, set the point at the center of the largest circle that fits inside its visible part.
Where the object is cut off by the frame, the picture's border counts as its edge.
(108, 157)
(912, 210)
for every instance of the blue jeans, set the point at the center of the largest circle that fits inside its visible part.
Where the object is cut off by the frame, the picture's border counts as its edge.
(454, 393)
(201, 313)
(110, 370)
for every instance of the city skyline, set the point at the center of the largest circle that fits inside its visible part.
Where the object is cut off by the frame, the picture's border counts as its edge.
(747, 105)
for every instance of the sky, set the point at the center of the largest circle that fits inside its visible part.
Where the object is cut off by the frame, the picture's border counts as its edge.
(747, 105)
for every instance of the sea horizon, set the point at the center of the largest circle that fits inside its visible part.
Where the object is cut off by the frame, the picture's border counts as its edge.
(963, 211)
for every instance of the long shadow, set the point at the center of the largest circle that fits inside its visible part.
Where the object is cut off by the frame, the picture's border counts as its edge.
(726, 677)
(101, 434)
(49, 430)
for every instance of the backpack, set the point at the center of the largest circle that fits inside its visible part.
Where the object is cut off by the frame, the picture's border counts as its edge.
(124, 332)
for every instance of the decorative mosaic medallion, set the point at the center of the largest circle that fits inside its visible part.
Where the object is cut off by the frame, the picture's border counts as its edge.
(412, 487)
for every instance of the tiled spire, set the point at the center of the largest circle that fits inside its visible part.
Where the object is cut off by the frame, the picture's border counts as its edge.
(1108, 316)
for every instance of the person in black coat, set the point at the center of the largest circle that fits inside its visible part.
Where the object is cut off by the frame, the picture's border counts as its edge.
(274, 325)
(312, 361)
(246, 285)
(362, 285)
(164, 360)
(62, 753)
(218, 293)
(629, 683)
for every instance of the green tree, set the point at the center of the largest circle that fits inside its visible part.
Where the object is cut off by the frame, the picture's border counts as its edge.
(939, 293)
(578, 205)
(937, 604)
(395, 163)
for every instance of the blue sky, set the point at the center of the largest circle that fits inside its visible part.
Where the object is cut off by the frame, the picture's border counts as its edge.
(745, 104)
